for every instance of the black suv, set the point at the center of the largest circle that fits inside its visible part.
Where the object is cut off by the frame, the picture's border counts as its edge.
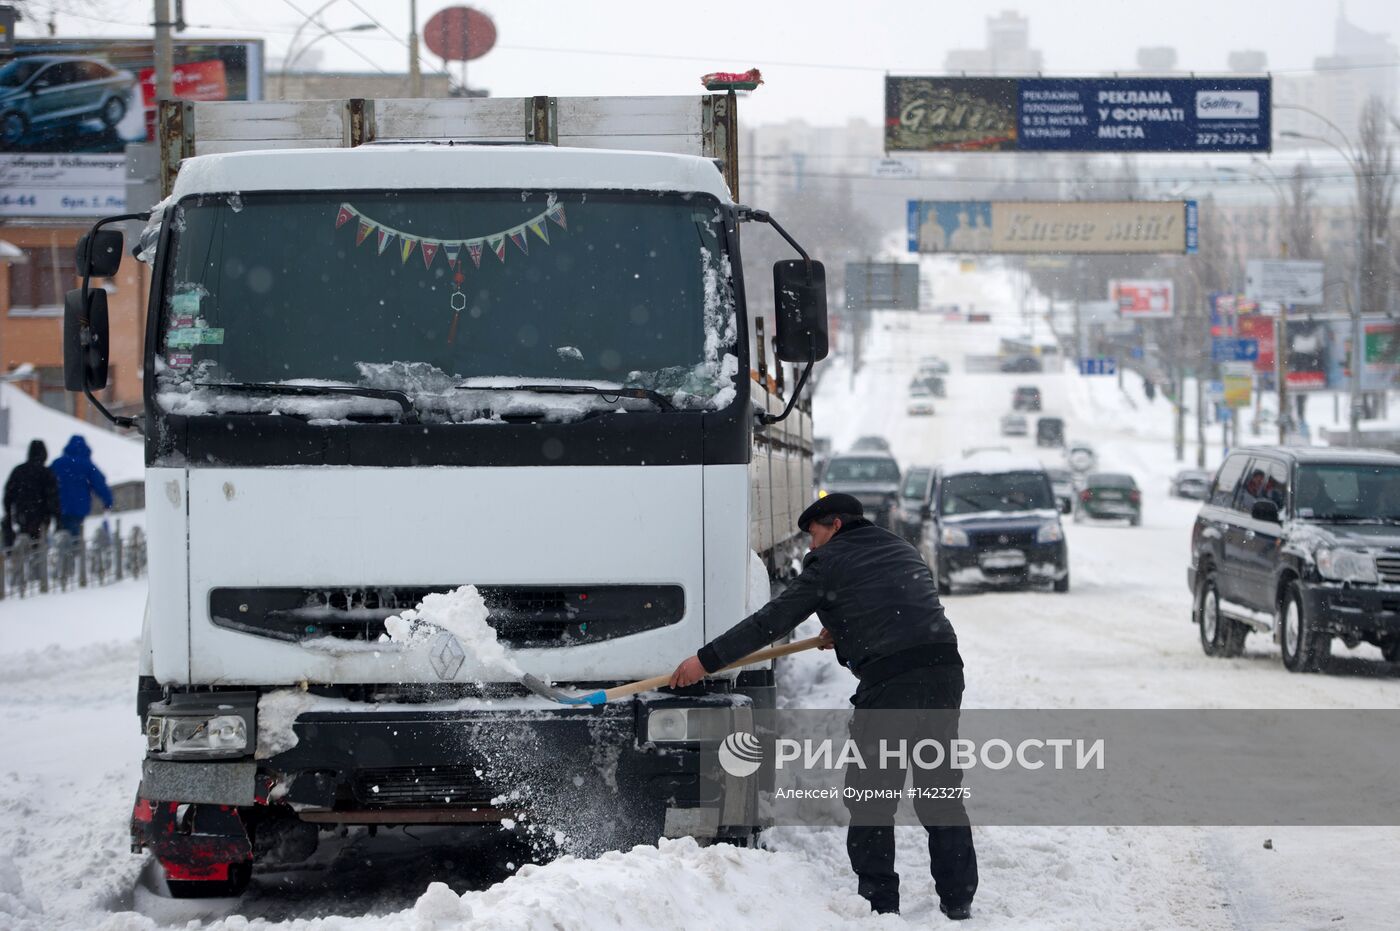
(992, 521)
(1302, 544)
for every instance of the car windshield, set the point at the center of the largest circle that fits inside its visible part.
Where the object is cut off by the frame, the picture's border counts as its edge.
(1110, 480)
(18, 71)
(1348, 492)
(915, 482)
(976, 492)
(862, 469)
(375, 289)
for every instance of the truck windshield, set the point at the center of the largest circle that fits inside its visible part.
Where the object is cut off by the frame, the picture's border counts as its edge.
(435, 293)
(1346, 491)
(978, 493)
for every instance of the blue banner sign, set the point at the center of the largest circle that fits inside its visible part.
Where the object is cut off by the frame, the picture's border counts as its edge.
(1102, 365)
(1234, 350)
(1213, 114)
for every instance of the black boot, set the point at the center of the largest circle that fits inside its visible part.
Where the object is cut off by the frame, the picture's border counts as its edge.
(956, 912)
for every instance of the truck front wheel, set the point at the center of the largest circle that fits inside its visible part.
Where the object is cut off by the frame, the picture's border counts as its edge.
(1305, 648)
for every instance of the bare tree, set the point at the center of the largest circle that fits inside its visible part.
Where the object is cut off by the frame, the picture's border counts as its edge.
(1299, 219)
(1375, 202)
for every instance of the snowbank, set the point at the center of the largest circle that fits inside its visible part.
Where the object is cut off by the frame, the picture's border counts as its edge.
(120, 458)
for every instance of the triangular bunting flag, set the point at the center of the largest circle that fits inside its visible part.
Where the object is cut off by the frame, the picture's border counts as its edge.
(363, 232)
(406, 249)
(384, 237)
(453, 251)
(556, 213)
(517, 236)
(430, 250)
(474, 248)
(498, 245)
(343, 216)
(539, 229)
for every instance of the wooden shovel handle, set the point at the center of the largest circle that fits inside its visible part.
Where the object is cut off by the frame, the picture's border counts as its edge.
(758, 656)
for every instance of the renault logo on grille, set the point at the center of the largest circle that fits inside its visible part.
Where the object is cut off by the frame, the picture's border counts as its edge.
(447, 655)
(1003, 539)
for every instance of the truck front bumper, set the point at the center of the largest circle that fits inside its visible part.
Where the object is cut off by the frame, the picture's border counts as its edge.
(1360, 610)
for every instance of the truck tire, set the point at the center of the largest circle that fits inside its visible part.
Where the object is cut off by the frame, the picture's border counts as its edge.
(1391, 651)
(1304, 648)
(1220, 636)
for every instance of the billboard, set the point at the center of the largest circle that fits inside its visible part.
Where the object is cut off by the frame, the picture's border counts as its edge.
(1381, 363)
(1141, 298)
(1260, 329)
(70, 107)
(1021, 227)
(887, 285)
(1214, 114)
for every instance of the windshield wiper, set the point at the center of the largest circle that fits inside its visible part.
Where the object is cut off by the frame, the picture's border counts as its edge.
(382, 394)
(641, 394)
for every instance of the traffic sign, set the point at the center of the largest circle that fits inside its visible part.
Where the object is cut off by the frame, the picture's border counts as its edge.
(1285, 281)
(1102, 365)
(1234, 350)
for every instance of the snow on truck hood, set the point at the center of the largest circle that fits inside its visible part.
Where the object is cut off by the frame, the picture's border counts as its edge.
(434, 167)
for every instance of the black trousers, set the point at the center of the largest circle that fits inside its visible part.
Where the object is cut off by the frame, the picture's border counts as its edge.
(870, 843)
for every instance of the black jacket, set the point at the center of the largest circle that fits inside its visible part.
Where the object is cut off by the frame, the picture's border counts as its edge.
(872, 591)
(31, 493)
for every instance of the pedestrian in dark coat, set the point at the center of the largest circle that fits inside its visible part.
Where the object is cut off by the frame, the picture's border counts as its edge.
(31, 496)
(879, 605)
(78, 481)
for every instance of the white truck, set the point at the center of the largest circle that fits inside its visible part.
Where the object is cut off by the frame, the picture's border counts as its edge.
(395, 347)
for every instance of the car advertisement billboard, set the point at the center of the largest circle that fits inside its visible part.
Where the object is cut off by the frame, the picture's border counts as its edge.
(1137, 114)
(1051, 227)
(69, 108)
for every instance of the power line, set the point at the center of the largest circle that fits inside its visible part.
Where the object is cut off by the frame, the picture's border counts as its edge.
(339, 38)
(395, 36)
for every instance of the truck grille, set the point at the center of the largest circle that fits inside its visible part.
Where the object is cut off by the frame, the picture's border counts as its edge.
(413, 787)
(1388, 567)
(523, 615)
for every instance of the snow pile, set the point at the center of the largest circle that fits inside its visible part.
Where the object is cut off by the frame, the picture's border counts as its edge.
(463, 614)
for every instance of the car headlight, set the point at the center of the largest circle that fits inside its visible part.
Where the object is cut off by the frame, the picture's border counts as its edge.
(1050, 533)
(952, 536)
(677, 725)
(1347, 565)
(223, 735)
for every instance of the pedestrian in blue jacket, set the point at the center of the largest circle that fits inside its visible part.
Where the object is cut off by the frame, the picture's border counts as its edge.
(78, 481)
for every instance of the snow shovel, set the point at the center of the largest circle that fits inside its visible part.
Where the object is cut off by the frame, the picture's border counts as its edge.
(603, 696)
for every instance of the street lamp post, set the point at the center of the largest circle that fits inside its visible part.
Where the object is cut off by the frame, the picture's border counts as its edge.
(292, 58)
(1358, 349)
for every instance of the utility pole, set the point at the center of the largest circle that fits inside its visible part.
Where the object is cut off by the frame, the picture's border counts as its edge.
(1358, 340)
(165, 52)
(1179, 433)
(1281, 372)
(415, 75)
(1200, 422)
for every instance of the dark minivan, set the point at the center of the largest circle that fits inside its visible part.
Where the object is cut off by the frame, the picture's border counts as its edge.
(1302, 544)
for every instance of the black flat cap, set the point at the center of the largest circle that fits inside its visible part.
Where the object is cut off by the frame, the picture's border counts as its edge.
(831, 504)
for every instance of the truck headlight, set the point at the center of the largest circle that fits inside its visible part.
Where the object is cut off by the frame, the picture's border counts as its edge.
(678, 725)
(1050, 533)
(197, 737)
(1347, 565)
(952, 536)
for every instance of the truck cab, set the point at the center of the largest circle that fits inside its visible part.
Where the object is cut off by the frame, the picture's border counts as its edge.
(382, 372)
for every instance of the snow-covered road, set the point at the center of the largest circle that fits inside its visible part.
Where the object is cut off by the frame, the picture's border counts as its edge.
(1119, 639)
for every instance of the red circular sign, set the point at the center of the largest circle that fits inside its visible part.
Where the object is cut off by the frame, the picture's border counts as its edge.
(459, 33)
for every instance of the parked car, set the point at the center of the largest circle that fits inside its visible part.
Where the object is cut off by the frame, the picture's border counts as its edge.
(1062, 483)
(1110, 495)
(1026, 398)
(1080, 456)
(1050, 431)
(993, 521)
(915, 494)
(919, 407)
(1191, 483)
(40, 92)
(1301, 544)
(873, 478)
(1022, 363)
(1013, 424)
(871, 444)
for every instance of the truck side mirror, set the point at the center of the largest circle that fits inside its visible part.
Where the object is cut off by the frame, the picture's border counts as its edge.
(99, 254)
(1264, 510)
(799, 289)
(85, 338)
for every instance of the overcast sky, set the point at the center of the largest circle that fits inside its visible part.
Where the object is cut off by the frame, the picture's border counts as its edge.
(823, 61)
